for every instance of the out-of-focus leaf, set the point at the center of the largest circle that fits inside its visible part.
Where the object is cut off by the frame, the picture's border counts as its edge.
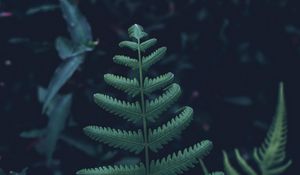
(58, 113)
(61, 75)
(90, 149)
(78, 26)
(23, 172)
(17, 40)
(36, 133)
(66, 48)
(292, 30)
(239, 100)
(41, 8)
(128, 161)
(74, 49)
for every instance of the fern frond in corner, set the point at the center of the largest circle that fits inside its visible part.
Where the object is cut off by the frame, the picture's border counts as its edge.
(271, 156)
(144, 110)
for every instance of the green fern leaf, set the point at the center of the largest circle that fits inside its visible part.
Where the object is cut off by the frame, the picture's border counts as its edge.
(228, 168)
(153, 57)
(137, 32)
(243, 164)
(129, 44)
(130, 111)
(130, 86)
(114, 170)
(271, 155)
(126, 61)
(127, 140)
(178, 163)
(160, 136)
(155, 107)
(147, 44)
(153, 84)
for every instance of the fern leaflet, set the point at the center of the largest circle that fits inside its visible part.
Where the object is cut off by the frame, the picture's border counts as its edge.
(153, 84)
(126, 61)
(127, 140)
(130, 86)
(114, 170)
(182, 161)
(160, 136)
(155, 107)
(127, 110)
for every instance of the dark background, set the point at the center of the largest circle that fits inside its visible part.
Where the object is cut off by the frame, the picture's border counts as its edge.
(228, 56)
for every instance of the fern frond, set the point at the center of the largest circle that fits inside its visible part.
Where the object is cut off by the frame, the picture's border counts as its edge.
(243, 164)
(228, 168)
(153, 57)
(136, 32)
(153, 84)
(271, 155)
(128, 140)
(147, 44)
(129, 44)
(130, 86)
(162, 135)
(126, 61)
(130, 111)
(155, 107)
(178, 163)
(114, 170)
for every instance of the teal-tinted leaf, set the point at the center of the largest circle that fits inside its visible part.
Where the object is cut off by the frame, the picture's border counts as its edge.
(128, 140)
(36, 133)
(137, 32)
(147, 44)
(61, 75)
(129, 44)
(114, 170)
(23, 172)
(41, 8)
(160, 104)
(153, 84)
(177, 163)
(78, 26)
(58, 113)
(126, 61)
(66, 48)
(153, 57)
(127, 110)
(167, 132)
(130, 86)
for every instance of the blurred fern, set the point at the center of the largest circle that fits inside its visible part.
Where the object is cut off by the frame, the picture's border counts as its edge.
(143, 111)
(270, 156)
(72, 52)
(57, 106)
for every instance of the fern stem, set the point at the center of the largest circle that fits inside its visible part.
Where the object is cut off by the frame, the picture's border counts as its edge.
(143, 110)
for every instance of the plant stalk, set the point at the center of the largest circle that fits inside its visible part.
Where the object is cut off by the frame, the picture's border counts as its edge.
(143, 110)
